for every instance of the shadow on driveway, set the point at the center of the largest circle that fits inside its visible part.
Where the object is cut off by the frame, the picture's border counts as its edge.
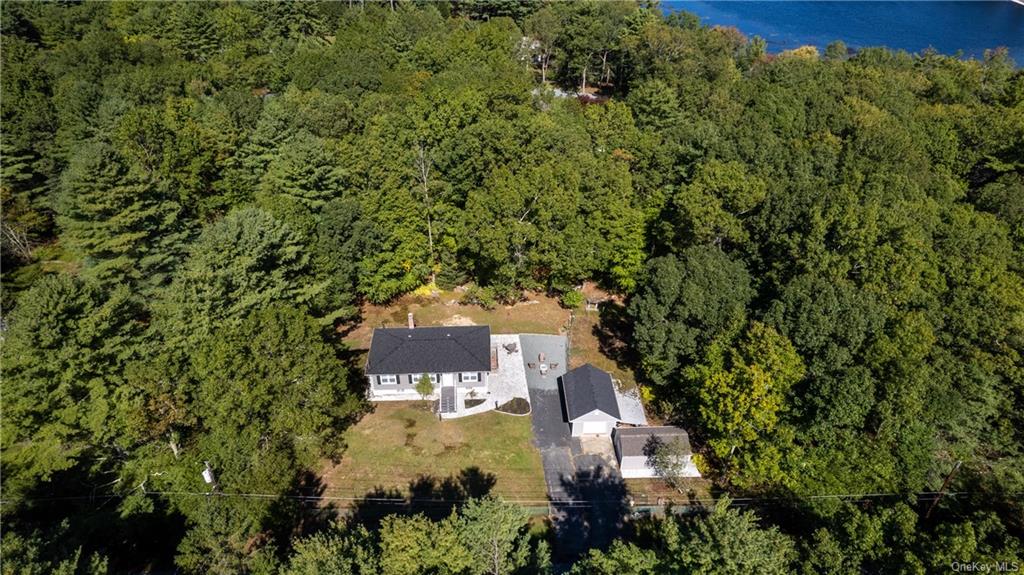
(593, 516)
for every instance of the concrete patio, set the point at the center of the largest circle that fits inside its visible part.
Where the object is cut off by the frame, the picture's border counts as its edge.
(503, 385)
(631, 409)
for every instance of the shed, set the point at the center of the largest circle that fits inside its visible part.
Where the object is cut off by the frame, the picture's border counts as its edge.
(591, 405)
(635, 445)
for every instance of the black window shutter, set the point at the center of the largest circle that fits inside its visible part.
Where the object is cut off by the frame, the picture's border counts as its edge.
(460, 377)
(378, 379)
(479, 377)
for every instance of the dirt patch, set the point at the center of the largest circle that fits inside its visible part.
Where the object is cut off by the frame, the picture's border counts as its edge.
(599, 338)
(458, 320)
(599, 445)
(452, 449)
(653, 491)
(593, 292)
(409, 439)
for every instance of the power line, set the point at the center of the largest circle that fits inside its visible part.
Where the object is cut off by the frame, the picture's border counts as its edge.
(925, 495)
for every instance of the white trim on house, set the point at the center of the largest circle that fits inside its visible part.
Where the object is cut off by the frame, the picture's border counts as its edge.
(403, 385)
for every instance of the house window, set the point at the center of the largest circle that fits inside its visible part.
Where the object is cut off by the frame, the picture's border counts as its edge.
(473, 377)
(434, 378)
(387, 380)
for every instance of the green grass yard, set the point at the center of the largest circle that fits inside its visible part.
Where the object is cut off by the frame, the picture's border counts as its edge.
(400, 442)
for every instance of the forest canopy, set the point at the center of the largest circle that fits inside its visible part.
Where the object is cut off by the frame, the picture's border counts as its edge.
(822, 257)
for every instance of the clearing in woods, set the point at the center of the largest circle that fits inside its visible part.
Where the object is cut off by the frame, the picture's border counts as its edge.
(401, 449)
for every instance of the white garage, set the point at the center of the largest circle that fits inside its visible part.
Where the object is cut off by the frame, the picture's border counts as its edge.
(635, 445)
(590, 401)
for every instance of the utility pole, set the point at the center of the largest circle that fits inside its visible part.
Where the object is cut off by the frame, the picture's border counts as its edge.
(942, 491)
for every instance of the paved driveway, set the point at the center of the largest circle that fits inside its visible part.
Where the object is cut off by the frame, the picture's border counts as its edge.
(588, 496)
(551, 432)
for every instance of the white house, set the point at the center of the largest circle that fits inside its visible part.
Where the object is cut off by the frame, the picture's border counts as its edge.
(457, 360)
(635, 445)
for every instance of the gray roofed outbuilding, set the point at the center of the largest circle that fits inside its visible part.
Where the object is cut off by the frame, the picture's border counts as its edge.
(429, 350)
(587, 389)
(640, 441)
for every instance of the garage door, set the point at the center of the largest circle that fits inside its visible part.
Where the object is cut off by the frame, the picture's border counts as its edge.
(594, 427)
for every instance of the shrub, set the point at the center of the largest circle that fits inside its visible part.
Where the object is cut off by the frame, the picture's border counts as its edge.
(424, 386)
(507, 294)
(571, 299)
(481, 296)
(450, 276)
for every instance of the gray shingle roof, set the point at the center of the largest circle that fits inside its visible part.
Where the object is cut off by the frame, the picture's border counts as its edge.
(633, 441)
(429, 350)
(587, 388)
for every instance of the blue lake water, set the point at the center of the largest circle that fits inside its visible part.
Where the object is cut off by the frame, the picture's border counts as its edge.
(949, 27)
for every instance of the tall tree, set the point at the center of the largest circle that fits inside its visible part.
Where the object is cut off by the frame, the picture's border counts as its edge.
(685, 303)
(243, 262)
(64, 351)
(728, 541)
(494, 533)
(741, 403)
(265, 399)
(121, 221)
(544, 27)
(300, 180)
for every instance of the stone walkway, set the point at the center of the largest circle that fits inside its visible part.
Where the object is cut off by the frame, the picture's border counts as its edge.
(503, 385)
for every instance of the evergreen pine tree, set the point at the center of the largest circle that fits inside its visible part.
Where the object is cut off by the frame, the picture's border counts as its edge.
(119, 220)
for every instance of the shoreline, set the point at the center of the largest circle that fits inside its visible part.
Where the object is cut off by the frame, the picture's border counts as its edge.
(959, 28)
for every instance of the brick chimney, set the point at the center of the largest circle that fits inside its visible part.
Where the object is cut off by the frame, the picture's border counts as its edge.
(412, 323)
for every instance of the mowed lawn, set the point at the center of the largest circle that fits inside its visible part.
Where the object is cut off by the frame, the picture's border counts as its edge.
(403, 442)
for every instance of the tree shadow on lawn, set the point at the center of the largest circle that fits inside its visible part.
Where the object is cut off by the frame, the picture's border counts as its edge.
(593, 514)
(428, 495)
(302, 512)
